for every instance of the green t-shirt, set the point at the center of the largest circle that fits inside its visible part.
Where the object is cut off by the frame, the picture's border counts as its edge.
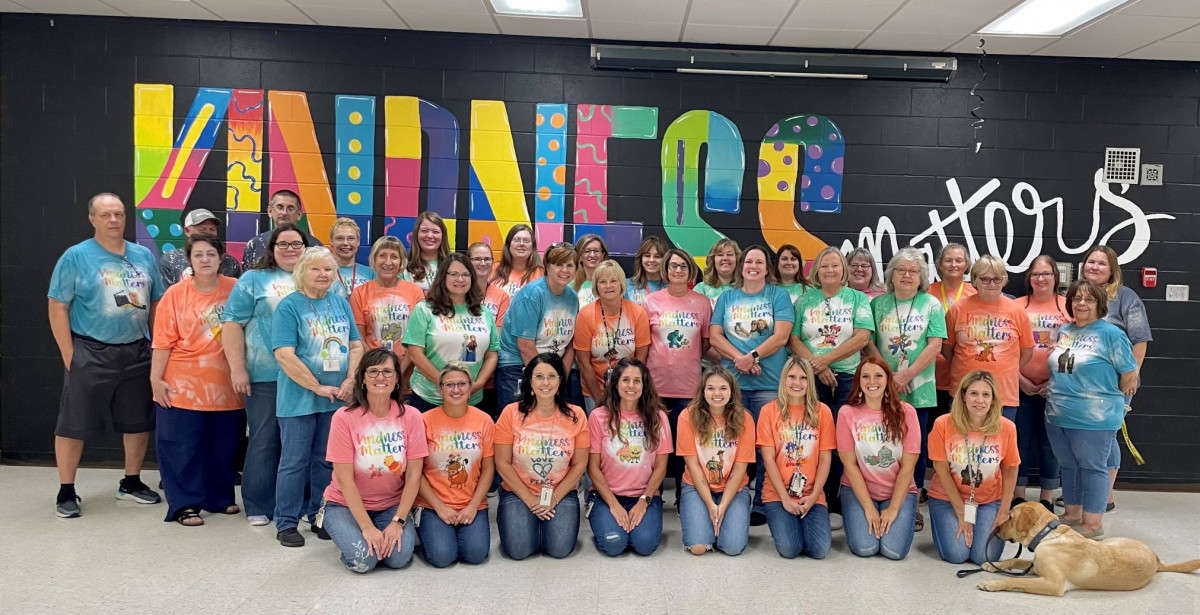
(902, 331)
(464, 337)
(794, 290)
(712, 292)
(824, 324)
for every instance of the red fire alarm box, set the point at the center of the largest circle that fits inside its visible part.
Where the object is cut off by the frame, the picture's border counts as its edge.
(1149, 277)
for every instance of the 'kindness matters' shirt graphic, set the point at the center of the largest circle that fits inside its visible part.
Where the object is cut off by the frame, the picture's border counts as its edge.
(381, 451)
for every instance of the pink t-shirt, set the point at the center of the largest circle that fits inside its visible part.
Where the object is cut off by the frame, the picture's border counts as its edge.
(379, 448)
(860, 431)
(624, 460)
(677, 325)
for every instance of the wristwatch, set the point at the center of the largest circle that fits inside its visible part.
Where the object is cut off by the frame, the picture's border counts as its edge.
(754, 353)
(398, 519)
(646, 499)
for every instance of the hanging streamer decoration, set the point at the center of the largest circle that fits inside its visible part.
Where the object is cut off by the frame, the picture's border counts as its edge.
(977, 123)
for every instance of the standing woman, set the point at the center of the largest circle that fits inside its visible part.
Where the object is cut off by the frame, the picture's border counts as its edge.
(716, 441)
(429, 245)
(382, 306)
(630, 443)
(344, 240)
(878, 441)
(495, 300)
(1092, 371)
(797, 437)
(457, 474)
(608, 330)
(246, 327)
(975, 456)
(1047, 312)
(647, 269)
(518, 264)
(541, 453)
(953, 262)
(318, 349)
(451, 325)
(376, 446)
(789, 268)
(718, 269)
(592, 252)
(200, 416)
(863, 276)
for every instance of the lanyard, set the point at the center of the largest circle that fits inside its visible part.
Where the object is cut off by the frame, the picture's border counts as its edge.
(612, 337)
(946, 306)
(975, 474)
(353, 274)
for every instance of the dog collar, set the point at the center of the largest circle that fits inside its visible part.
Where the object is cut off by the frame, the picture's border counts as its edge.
(1037, 539)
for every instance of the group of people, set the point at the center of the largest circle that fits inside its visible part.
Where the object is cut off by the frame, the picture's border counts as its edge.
(383, 404)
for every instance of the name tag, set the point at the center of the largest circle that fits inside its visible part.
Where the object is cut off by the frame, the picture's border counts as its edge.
(331, 365)
(547, 497)
(969, 510)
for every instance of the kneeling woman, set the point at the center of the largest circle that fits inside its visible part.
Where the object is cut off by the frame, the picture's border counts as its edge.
(376, 444)
(878, 439)
(797, 437)
(458, 472)
(716, 441)
(541, 453)
(631, 440)
(974, 453)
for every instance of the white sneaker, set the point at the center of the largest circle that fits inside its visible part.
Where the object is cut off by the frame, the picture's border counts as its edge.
(257, 520)
(835, 522)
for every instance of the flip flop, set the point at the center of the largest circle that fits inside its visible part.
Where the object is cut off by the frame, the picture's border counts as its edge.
(189, 517)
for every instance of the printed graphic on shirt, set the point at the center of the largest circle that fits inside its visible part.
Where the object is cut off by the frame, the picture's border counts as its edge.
(675, 325)
(453, 453)
(333, 333)
(1045, 328)
(629, 446)
(1073, 347)
(970, 462)
(874, 448)
(544, 458)
(982, 332)
(556, 331)
(390, 319)
(799, 443)
(716, 456)
(211, 316)
(751, 320)
(381, 451)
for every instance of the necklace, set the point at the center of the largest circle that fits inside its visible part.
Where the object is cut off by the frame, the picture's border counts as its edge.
(353, 275)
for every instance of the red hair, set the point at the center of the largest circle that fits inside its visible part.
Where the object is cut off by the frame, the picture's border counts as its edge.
(893, 413)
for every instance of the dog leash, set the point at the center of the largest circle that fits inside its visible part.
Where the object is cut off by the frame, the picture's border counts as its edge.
(1033, 544)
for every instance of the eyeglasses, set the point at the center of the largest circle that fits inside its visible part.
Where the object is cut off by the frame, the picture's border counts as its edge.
(430, 231)
(564, 245)
(375, 372)
(1041, 275)
(290, 245)
(458, 275)
(990, 281)
(1084, 299)
(907, 271)
(593, 251)
(481, 259)
(285, 209)
(521, 241)
(861, 266)
(344, 239)
(455, 385)
(546, 377)
(677, 267)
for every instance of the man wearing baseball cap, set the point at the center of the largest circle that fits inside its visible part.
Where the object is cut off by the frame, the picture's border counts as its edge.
(174, 263)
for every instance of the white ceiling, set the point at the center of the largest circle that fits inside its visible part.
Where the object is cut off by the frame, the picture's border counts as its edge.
(1143, 29)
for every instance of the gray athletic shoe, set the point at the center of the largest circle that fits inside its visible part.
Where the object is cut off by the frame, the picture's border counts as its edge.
(138, 492)
(68, 509)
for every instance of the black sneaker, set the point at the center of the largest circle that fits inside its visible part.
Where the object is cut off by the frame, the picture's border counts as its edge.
(757, 519)
(68, 509)
(290, 538)
(138, 492)
(322, 534)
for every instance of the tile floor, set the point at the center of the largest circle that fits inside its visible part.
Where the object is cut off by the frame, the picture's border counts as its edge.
(121, 557)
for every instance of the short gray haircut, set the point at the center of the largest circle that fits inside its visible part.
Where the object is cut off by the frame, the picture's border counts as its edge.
(103, 195)
(307, 258)
(906, 255)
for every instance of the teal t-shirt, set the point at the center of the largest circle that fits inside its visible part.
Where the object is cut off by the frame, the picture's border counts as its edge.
(748, 320)
(539, 315)
(321, 331)
(637, 294)
(108, 296)
(350, 278)
(825, 323)
(1085, 374)
(252, 305)
(902, 331)
(464, 337)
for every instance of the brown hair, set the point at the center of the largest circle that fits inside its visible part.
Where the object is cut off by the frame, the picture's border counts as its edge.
(1114, 270)
(1095, 290)
(710, 277)
(505, 267)
(653, 241)
(894, 426)
(416, 264)
(581, 276)
(649, 406)
(770, 278)
(701, 415)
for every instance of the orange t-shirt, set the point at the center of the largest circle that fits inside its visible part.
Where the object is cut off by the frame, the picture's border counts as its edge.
(188, 323)
(384, 312)
(716, 455)
(941, 367)
(989, 337)
(605, 345)
(496, 301)
(1045, 319)
(973, 458)
(542, 448)
(457, 448)
(797, 446)
(514, 282)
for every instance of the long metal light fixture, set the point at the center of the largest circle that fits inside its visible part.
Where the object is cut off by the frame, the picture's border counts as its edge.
(773, 63)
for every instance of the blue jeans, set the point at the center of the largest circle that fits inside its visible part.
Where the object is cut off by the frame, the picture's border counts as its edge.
(522, 534)
(420, 403)
(675, 407)
(262, 451)
(612, 540)
(301, 464)
(508, 379)
(195, 457)
(754, 401)
(445, 544)
(944, 524)
(923, 458)
(834, 397)
(1034, 444)
(698, 528)
(1114, 454)
(793, 533)
(1083, 455)
(348, 538)
(894, 544)
(1009, 412)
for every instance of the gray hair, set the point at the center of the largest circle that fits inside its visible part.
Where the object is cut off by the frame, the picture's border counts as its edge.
(865, 254)
(103, 195)
(307, 257)
(905, 255)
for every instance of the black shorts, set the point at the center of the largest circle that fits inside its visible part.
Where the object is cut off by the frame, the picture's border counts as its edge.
(106, 380)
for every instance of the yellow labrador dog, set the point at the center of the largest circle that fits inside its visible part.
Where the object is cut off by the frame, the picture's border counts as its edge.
(1065, 560)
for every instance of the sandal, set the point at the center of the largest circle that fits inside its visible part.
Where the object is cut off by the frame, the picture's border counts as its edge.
(189, 517)
(919, 522)
(232, 509)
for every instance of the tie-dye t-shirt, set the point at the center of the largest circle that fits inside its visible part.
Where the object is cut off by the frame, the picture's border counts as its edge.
(712, 292)
(350, 278)
(1085, 369)
(586, 295)
(606, 339)
(974, 459)
(798, 446)
(824, 323)
(677, 326)
(860, 430)
(384, 312)
(748, 320)
(464, 337)
(188, 323)
(496, 301)
(431, 268)
(457, 448)
(108, 296)
(625, 461)
(794, 290)
(542, 448)
(539, 315)
(902, 331)
(1128, 312)
(252, 305)
(380, 449)
(637, 294)
(1045, 319)
(320, 331)
(515, 283)
(989, 337)
(715, 454)
(941, 366)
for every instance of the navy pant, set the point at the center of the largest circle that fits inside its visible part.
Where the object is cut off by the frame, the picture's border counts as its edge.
(196, 450)
(675, 407)
(834, 397)
(1034, 444)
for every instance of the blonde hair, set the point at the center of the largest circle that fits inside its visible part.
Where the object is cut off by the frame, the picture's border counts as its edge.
(344, 222)
(988, 262)
(581, 275)
(811, 404)
(608, 267)
(958, 408)
(1114, 270)
(814, 274)
(307, 258)
(701, 415)
(387, 242)
(710, 277)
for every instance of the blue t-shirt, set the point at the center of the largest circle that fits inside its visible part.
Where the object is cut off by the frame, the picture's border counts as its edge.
(1085, 371)
(321, 331)
(1127, 312)
(108, 296)
(350, 278)
(748, 320)
(539, 315)
(251, 305)
(637, 294)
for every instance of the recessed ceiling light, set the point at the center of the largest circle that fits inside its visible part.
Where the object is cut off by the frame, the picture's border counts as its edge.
(539, 8)
(1049, 17)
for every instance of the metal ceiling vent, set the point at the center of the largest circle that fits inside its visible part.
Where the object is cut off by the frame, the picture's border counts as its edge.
(1121, 164)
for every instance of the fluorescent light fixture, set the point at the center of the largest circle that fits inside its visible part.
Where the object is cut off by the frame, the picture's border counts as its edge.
(768, 73)
(1049, 17)
(539, 8)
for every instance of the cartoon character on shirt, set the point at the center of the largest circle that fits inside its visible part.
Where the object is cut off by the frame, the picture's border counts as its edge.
(675, 339)
(715, 468)
(456, 471)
